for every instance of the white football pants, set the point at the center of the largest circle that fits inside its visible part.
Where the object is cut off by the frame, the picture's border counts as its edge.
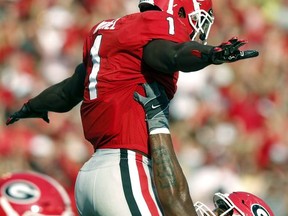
(116, 182)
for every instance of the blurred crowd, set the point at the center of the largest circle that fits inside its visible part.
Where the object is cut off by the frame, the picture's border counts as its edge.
(228, 122)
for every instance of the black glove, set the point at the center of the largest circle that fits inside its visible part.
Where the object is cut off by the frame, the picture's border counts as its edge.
(229, 52)
(27, 112)
(156, 106)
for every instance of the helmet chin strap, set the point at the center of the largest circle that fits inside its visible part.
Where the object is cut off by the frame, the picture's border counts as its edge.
(7, 208)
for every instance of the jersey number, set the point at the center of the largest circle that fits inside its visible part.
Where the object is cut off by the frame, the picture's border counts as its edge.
(94, 52)
(171, 25)
(96, 66)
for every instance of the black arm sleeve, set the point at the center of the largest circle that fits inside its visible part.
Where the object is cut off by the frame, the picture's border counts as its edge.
(62, 96)
(168, 57)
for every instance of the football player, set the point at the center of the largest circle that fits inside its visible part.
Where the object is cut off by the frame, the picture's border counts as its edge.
(120, 55)
(32, 194)
(169, 179)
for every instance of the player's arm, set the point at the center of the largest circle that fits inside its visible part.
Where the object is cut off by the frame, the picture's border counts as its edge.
(168, 57)
(170, 181)
(171, 184)
(60, 97)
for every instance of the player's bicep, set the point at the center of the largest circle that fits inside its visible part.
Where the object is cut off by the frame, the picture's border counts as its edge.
(160, 55)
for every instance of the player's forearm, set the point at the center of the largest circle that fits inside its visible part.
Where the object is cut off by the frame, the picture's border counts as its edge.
(192, 56)
(62, 96)
(170, 181)
(53, 99)
(169, 57)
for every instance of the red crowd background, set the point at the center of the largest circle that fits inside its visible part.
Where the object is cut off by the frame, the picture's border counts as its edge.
(229, 123)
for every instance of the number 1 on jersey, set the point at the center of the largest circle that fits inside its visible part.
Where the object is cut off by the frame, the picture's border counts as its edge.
(171, 25)
(96, 66)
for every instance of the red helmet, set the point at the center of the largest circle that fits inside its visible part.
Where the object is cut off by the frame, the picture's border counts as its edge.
(32, 194)
(197, 15)
(236, 204)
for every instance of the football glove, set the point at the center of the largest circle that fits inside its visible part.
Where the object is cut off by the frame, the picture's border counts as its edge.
(27, 112)
(229, 52)
(156, 106)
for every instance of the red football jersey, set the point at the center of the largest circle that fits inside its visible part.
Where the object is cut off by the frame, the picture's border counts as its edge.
(112, 55)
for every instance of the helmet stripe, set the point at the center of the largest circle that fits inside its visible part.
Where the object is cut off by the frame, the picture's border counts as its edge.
(170, 7)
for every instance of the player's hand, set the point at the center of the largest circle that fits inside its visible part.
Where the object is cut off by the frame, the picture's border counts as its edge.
(27, 112)
(229, 52)
(155, 104)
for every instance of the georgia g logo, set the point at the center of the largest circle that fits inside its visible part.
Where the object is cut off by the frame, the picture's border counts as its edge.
(259, 210)
(21, 192)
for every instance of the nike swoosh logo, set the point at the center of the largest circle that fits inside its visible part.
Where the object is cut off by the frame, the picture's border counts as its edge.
(154, 107)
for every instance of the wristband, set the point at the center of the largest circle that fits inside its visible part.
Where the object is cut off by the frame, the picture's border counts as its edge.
(160, 131)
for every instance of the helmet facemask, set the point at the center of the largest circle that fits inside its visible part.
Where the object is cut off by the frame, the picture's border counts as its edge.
(223, 201)
(201, 21)
(223, 204)
(202, 210)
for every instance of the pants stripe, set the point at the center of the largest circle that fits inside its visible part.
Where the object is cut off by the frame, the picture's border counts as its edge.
(145, 188)
(154, 192)
(127, 186)
(137, 184)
